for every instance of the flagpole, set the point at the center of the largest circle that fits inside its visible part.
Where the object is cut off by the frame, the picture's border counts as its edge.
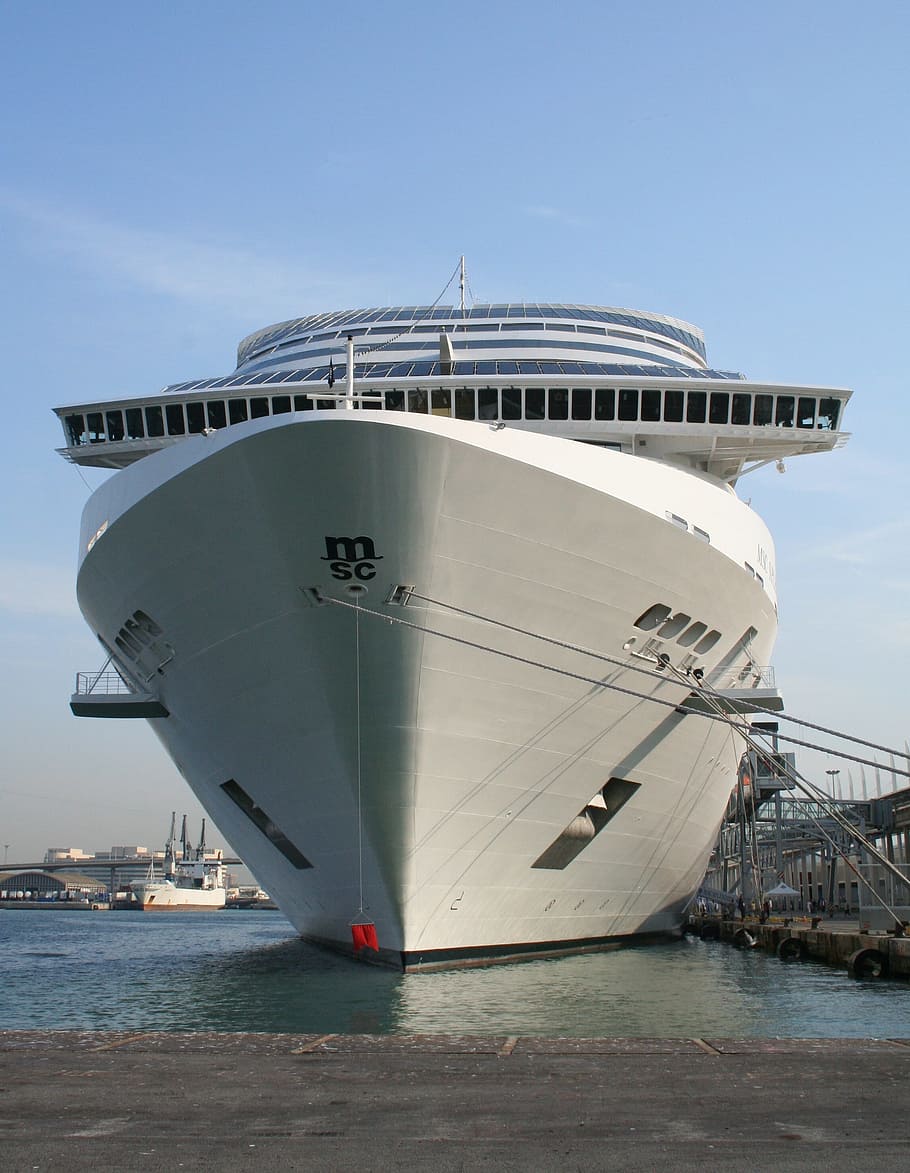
(349, 389)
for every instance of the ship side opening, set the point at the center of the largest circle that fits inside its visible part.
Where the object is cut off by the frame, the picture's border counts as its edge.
(587, 824)
(260, 819)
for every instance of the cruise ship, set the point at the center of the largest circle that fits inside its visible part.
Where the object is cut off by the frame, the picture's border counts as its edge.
(425, 603)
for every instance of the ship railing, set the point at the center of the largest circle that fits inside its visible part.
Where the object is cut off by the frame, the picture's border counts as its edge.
(107, 694)
(751, 676)
(105, 681)
(109, 683)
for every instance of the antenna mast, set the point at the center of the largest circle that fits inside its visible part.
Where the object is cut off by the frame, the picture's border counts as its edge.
(462, 286)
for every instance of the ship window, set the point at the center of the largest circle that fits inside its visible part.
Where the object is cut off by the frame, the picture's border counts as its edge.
(676, 519)
(281, 404)
(701, 534)
(587, 825)
(75, 430)
(708, 642)
(465, 408)
(511, 403)
(828, 410)
(260, 819)
(805, 416)
(417, 400)
(154, 421)
(534, 397)
(558, 403)
(673, 406)
(628, 403)
(303, 403)
(604, 403)
(720, 407)
(370, 402)
(751, 569)
(216, 412)
(176, 425)
(394, 401)
(671, 628)
(691, 634)
(783, 416)
(696, 402)
(581, 403)
(237, 410)
(742, 409)
(488, 403)
(650, 405)
(95, 422)
(134, 428)
(115, 425)
(762, 414)
(130, 647)
(195, 417)
(653, 617)
(331, 404)
(259, 407)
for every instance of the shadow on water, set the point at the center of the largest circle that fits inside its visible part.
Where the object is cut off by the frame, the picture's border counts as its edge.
(249, 972)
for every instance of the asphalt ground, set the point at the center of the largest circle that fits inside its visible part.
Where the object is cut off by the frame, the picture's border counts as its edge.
(117, 1100)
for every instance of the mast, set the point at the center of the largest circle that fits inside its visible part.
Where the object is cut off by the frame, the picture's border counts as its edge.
(349, 388)
(462, 283)
(169, 849)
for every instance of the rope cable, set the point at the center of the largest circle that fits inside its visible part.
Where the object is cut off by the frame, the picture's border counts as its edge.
(751, 705)
(414, 321)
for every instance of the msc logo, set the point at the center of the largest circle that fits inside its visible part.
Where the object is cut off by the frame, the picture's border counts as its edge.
(351, 558)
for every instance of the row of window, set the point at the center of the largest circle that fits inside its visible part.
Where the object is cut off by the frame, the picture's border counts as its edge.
(404, 315)
(472, 328)
(678, 626)
(601, 404)
(502, 345)
(573, 369)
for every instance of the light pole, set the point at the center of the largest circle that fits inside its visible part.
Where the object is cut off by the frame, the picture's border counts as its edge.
(833, 775)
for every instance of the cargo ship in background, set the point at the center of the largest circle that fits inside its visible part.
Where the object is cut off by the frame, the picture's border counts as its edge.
(193, 881)
(422, 601)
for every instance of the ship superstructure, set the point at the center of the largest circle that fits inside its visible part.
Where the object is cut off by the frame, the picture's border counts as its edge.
(191, 881)
(418, 600)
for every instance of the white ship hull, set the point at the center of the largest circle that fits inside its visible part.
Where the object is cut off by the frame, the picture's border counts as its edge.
(163, 896)
(363, 765)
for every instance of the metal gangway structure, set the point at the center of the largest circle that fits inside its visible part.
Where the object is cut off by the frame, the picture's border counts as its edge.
(780, 850)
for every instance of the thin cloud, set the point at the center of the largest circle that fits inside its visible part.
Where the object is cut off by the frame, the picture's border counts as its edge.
(32, 588)
(880, 545)
(231, 279)
(545, 212)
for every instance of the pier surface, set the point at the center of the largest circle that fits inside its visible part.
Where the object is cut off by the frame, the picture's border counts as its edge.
(126, 1100)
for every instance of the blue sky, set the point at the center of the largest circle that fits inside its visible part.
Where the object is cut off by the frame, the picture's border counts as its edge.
(173, 177)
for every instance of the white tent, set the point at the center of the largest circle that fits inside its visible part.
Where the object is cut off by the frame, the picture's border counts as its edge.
(782, 890)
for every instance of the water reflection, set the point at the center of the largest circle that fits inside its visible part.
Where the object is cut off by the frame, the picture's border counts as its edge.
(248, 972)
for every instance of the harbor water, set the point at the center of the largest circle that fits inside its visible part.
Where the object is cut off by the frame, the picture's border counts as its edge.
(248, 971)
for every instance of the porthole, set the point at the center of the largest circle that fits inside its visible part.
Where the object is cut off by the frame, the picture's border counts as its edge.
(674, 625)
(653, 617)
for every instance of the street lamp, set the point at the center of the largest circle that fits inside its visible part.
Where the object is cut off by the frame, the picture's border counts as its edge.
(833, 774)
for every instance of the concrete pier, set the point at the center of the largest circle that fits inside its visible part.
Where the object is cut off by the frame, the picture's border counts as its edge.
(130, 1101)
(840, 943)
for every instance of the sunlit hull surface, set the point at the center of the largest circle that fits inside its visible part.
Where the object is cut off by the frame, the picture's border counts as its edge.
(374, 770)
